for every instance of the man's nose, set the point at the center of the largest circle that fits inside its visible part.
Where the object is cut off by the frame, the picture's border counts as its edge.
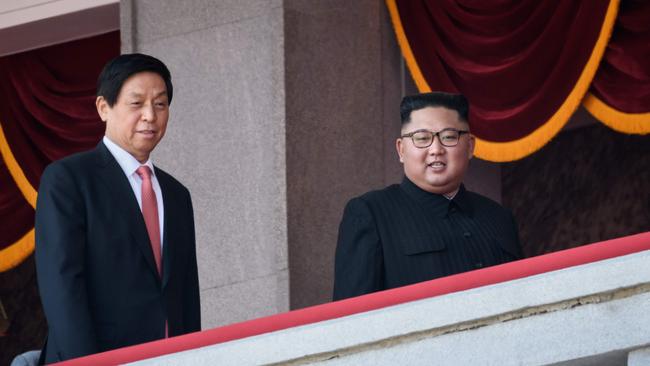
(436, 147)
(148, 113)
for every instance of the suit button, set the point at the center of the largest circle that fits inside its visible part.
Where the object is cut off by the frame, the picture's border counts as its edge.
(467, 234)
(478, 265)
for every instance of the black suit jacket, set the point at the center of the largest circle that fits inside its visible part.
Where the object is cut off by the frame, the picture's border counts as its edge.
(96, 272)
(402, 235)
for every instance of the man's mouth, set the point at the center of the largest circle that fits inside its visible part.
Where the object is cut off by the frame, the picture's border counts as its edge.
(437, 165)
(147, 132)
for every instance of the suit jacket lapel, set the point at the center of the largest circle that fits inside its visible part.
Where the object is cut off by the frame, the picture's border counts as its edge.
(112, 175)
(168, 247)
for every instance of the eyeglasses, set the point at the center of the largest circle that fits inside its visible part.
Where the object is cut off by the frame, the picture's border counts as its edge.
(424, 138)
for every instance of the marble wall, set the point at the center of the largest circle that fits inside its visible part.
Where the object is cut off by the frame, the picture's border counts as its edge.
(342, 100)
(225, 142)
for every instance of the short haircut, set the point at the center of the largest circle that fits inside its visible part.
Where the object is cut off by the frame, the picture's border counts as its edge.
(117, 70)
(456, 102)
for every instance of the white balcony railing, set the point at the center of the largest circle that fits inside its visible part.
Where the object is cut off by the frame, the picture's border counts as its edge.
(546, 310)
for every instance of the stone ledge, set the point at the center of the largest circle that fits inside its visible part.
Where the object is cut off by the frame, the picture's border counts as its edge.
(593, 311)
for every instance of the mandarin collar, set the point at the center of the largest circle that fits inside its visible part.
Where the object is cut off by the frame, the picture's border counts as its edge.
(439, 203)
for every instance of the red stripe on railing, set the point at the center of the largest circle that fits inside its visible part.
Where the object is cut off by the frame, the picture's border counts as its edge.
(460, 282)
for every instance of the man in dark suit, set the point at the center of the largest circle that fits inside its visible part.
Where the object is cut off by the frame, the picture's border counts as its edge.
(115, 246)
(428, 226)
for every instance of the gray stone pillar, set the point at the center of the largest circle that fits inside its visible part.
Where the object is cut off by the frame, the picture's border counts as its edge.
(225, 141)
(343, 87)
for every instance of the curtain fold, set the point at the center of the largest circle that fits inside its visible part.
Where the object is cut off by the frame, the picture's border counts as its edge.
(47, 111)
(620, 92)
(526, 65)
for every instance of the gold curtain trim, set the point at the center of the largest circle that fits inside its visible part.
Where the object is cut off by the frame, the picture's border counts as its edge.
(632, 123)
(404, 45)
(16, 172)
(518, 149)
(17, 252)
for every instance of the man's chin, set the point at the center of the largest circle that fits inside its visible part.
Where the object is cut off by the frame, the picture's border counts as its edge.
(142, 152)
(438, 183)
(146, 146)
(441, 187)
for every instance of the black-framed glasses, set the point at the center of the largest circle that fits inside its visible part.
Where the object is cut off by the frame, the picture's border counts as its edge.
(448, 137)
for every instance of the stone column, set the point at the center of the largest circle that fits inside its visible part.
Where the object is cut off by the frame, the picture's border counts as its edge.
(225, 141)
(343, 88)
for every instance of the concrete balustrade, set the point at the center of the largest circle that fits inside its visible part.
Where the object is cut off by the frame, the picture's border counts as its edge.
(593, 314)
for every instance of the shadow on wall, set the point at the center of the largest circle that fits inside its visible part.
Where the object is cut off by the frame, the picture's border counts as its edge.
(589, 184)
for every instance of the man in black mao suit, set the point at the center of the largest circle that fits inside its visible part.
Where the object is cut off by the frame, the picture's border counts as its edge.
(115, 250)
(428, 226)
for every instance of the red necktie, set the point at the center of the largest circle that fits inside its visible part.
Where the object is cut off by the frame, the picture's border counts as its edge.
(150, 214)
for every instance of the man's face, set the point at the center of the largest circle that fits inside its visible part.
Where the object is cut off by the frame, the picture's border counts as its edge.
(138, 119)
(436, 169)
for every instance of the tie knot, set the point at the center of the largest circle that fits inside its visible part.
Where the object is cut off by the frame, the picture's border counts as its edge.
(144, 172)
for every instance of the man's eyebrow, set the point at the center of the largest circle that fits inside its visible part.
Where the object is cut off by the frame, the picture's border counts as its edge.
(136, 94)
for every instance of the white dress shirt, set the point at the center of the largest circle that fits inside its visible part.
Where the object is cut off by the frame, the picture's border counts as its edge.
(129, 165)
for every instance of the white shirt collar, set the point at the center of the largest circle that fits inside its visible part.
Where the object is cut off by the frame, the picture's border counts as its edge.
(127, 162)
(451, 196)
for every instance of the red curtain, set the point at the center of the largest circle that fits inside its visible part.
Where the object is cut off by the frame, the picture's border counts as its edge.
(620, 92)
(526, 65)
(623, 78)
(47, 111)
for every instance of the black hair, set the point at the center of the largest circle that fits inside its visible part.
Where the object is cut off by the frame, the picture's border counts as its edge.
(117, 70)
(456, 102)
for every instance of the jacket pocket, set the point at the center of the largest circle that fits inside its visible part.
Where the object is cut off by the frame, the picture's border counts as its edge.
(415, 247)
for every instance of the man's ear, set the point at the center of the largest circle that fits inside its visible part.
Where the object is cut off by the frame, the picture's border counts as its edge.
(102, 108)
(399, 145)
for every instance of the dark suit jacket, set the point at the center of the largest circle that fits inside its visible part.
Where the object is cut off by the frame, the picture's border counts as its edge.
(402, 235)
(96, 273)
